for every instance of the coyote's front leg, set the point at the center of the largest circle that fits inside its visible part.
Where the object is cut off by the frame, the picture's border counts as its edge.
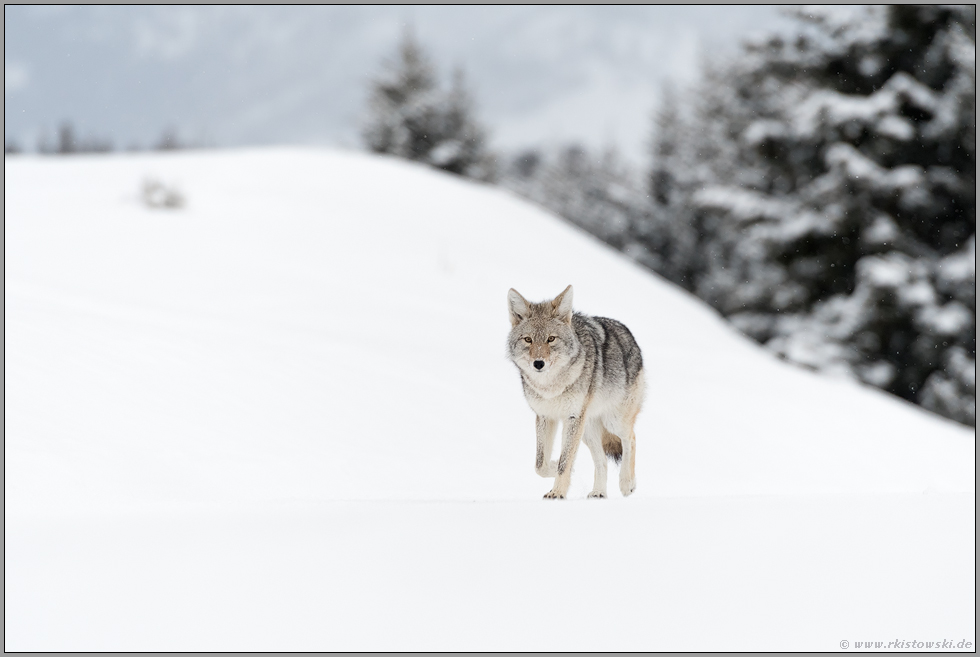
(571, 434)
(592, 437)
(543, 465)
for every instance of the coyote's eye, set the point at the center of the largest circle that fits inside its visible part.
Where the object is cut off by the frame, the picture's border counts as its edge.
(527, 340)
(551, 338)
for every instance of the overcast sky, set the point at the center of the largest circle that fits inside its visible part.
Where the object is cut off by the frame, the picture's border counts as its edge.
(261, 75)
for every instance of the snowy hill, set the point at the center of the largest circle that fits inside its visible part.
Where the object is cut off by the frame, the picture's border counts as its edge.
(282, 414)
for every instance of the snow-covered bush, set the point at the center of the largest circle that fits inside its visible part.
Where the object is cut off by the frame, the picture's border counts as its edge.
(158, 195)
(411, 117)
(820, 192)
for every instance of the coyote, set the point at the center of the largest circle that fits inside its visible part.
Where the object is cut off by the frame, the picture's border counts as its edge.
(586, 372)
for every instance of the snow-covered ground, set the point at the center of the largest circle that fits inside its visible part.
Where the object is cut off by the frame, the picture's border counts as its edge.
(281, 418)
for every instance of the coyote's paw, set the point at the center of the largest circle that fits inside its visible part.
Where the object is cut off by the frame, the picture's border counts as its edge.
(596, 495)
(549, 469)
(627, 487)
(552, 495)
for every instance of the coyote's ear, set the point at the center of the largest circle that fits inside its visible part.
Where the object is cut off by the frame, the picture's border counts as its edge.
(562, 305)
(518, 306)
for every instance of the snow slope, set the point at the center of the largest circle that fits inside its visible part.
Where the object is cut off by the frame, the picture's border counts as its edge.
(281, 418)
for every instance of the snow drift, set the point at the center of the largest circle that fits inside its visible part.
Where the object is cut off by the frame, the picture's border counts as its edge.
(313, 347)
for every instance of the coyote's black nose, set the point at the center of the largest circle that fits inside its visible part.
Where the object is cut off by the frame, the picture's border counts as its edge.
(539, 364)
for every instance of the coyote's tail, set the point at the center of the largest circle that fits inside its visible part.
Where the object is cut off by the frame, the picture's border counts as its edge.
(612, 446)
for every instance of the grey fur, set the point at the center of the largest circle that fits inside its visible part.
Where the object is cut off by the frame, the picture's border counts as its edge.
(590, 379)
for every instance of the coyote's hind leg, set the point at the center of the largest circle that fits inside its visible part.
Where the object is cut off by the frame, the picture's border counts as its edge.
(627, 469)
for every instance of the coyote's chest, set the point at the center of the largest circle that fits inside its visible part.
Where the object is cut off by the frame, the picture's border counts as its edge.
(558, 397)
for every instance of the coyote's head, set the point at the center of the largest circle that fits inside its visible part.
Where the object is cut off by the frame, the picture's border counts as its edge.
(542, 340)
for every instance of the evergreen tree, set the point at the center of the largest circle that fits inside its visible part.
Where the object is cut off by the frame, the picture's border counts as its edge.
(409, 116)
(822, 194)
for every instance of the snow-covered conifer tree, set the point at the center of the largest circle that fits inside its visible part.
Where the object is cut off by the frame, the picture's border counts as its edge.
(411, 117)
(827, 185)
(594, 191)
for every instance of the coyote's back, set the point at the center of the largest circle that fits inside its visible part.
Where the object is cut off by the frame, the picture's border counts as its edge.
(585, 372)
